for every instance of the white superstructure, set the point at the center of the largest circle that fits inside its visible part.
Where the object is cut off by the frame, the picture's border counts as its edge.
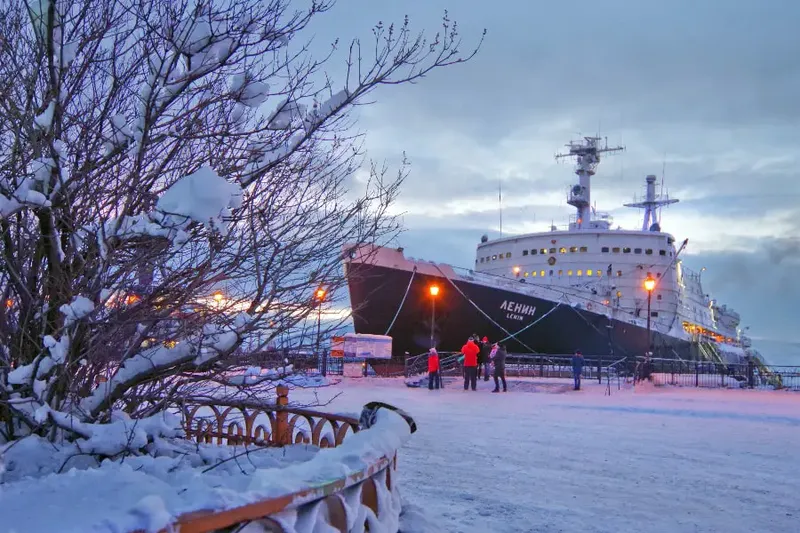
(607, 267)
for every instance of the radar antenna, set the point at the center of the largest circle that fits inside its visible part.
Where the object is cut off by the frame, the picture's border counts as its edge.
(650, 204)
(587, 153)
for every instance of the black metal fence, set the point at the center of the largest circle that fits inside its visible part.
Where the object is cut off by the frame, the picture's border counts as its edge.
(752, 374)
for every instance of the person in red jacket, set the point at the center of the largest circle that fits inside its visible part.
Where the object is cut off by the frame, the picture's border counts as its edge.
(470, 351)
(434, 378)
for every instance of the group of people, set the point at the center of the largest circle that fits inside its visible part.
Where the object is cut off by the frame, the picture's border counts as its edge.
(477, 356)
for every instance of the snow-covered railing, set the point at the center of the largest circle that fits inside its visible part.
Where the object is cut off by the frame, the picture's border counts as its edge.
(362, 497)
(242, 423)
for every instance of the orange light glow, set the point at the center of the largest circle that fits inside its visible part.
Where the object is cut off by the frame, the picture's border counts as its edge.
(218, 296)
(132, 299)
(516, 270)
(320, 294)
(9, 303)
(649, 284)
(434, 289)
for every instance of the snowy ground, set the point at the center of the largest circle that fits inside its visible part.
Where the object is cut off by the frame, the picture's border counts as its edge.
(545, 458)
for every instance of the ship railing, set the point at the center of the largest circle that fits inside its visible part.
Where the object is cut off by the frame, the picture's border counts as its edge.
(715, 374)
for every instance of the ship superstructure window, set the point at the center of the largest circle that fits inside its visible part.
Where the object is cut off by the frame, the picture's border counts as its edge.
(573, 249)
(533, 273)
(589, 272)
(494, 257)
(543, 251)
(524, 252)
(541, 273)
(648, 251)
(619, 273)
(569, 272)
(552, 250)
(526, 274)
(580, 272)
(637, 250)
(562, 250)
(584, 249)
(560, 272)
(619, 294)
(662, 252)
(508, 255)
(626, 250)
(615, 250)
(604, 249)
(599, 273)
(533, 252)
(481, 259)
(551, 272)
(658, 296)
(658, 274)
(654, 313)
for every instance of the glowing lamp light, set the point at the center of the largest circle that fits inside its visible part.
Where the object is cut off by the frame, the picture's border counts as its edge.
(516, 270)
(132, 299)
(218, 296)
(649, 284)
(434, 290)
(9, 303)
(320, 294)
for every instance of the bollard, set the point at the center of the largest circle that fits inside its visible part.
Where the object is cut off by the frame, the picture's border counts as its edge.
(283, 435)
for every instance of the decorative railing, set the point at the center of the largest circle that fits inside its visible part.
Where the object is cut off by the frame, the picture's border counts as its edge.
(363, 500)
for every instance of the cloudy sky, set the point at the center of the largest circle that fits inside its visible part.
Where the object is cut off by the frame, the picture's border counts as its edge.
(707, 89)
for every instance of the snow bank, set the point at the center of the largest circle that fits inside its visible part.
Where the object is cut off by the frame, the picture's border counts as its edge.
(149, 492)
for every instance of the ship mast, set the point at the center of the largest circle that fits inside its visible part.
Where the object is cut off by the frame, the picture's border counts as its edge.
(587, 153)
(650, 204)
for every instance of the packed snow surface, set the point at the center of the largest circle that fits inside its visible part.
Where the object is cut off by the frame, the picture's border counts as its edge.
(538, 458)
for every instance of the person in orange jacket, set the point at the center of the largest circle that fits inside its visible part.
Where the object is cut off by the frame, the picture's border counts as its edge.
(470, 351)
(434, 378)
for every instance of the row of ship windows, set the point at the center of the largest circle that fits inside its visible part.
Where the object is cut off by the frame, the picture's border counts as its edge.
(579, 273)
(573, 249)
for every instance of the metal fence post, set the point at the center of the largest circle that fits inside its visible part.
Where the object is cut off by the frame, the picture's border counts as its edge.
(697, 374)
(324, 363)
(600, 370)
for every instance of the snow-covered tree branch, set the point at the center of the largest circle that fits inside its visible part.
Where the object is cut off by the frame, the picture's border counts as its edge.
(153, 152)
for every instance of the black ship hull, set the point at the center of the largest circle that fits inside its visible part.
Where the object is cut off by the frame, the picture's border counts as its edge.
(376, 293)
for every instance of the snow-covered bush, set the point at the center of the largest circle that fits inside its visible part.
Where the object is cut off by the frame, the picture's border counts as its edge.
(153, 152)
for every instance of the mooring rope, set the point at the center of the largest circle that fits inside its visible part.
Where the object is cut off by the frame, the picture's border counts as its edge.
(403, 301)
(481, 310)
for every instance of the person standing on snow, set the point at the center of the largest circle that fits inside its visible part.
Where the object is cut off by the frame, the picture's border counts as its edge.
(470, 351)
(499, 361)
(484, 359)
(577, 368)
(434, 377)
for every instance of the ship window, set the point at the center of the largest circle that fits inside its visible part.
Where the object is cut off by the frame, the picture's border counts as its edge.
(573, 249)
(626, 250)
(649, 251)
(508, 255)
(619, 273)
(543, 251)
(533, 252)
(560, 272)
(526, 274)
(494, 257)
(662, 252)
(653, 313)
(580, 272)
(533, 273)
(562, 250)
(658, 274)
(569, 272)
(615, 250)
(481, 259)
(604, 249)
(551, 272)
(637, 250)
(589, 272)
(552, 250)
(584, 249)
(658, 297)
(524, 252)
(619, 294)
(599, 273)
(541, 273)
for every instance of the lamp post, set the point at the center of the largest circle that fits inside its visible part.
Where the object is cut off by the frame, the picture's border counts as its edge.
(319, 295)
(649, 285)
(434, 290)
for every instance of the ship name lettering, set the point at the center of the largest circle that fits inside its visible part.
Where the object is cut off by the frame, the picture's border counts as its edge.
(516, 310)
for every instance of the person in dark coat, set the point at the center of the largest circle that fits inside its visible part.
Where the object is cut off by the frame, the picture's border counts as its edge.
(499, 361)
(434, 376)
(483, 358)
(470, 351)
(577, 368)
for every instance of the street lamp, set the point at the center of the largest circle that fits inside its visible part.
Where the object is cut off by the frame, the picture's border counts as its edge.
(649, 285)
(434, 290)
(319, 295)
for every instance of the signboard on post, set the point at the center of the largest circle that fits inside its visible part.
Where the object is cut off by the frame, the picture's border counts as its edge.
(361, 346)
